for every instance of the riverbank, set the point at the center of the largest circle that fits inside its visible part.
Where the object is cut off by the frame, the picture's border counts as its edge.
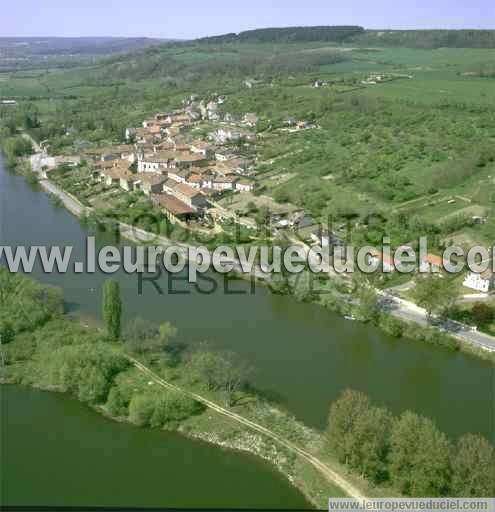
(453, 335)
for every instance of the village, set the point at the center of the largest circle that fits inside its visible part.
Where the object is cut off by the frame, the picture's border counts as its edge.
(197, 165)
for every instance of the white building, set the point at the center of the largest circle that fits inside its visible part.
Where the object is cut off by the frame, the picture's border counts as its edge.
(480, 282)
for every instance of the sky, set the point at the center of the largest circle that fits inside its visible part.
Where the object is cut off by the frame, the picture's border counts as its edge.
(186, 19)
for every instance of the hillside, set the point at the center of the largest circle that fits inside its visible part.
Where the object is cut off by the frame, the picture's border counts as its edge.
(336, 34)
(359, 36)
(428, 38)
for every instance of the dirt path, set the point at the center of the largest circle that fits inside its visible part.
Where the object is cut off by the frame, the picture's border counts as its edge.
(328, 473)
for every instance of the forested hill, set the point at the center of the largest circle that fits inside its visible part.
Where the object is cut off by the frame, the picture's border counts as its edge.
(336, 34)
(359, 36)
(428, 38)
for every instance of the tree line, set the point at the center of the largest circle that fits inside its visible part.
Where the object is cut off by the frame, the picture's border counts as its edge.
(408, 451)
(288, 35)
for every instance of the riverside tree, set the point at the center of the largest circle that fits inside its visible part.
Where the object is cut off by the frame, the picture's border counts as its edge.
(220, 371)
(419, 457)
(144, 336)
(473, 467)
(369, 443)
(434, 294)
(112, 308)
(344, 414)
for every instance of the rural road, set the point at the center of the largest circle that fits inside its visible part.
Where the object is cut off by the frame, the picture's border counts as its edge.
(328, 473)
(70, 203)
(408, 311)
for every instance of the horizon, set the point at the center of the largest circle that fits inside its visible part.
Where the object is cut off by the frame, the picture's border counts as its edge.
(192, 19)
(163, 38)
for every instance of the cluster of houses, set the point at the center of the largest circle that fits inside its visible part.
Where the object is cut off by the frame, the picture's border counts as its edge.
(181, 173)
(483, 282)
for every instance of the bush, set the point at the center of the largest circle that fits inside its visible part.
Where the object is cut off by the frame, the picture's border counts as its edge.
(86, 370)
(158, 409)
(391, 326)
(7, 332)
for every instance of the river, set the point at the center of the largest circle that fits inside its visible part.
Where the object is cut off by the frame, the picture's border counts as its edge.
(303, 355)
(57, 452)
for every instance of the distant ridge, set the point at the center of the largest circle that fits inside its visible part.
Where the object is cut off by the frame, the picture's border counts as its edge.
(359, 36)
(38, 46)
(289, 35)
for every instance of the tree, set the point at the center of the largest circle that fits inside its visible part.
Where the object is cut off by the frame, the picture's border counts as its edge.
(220, 371)
(482, 314)
(370, 443)
(7, 332)
(434, 293)
(262, 219)
(302, 286)
(167, 331)
(144, 336)
(344, 414)
(473, 467)
(419, 457)
(112, 308)
(369, 309)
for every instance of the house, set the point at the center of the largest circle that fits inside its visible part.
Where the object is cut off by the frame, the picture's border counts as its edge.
(169, 186)
(174, 208)
(222, 183)
(190, 196)
(377, 258)
(480, 282)
(180, 175)
(290, 121)
(130, 134)
(321, 236)
(108, 157)
(223, 155)
(251, 84)
(113, 175)
(431, 263)
(187, 159)
(223, 168)
(244, 185)
(158, 161)
(478, 220)
(195, 181)
(201, 148)
(228, 134)
(150, 183)
(318, 83)
(155, 129)
(250, 120)
(231, 118)
(163, 116)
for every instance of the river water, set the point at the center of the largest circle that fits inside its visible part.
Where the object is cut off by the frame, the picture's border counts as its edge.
(303, 355)
(57, 452)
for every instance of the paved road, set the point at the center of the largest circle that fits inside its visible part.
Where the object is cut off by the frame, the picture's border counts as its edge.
(72, 204)
(408, 311)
